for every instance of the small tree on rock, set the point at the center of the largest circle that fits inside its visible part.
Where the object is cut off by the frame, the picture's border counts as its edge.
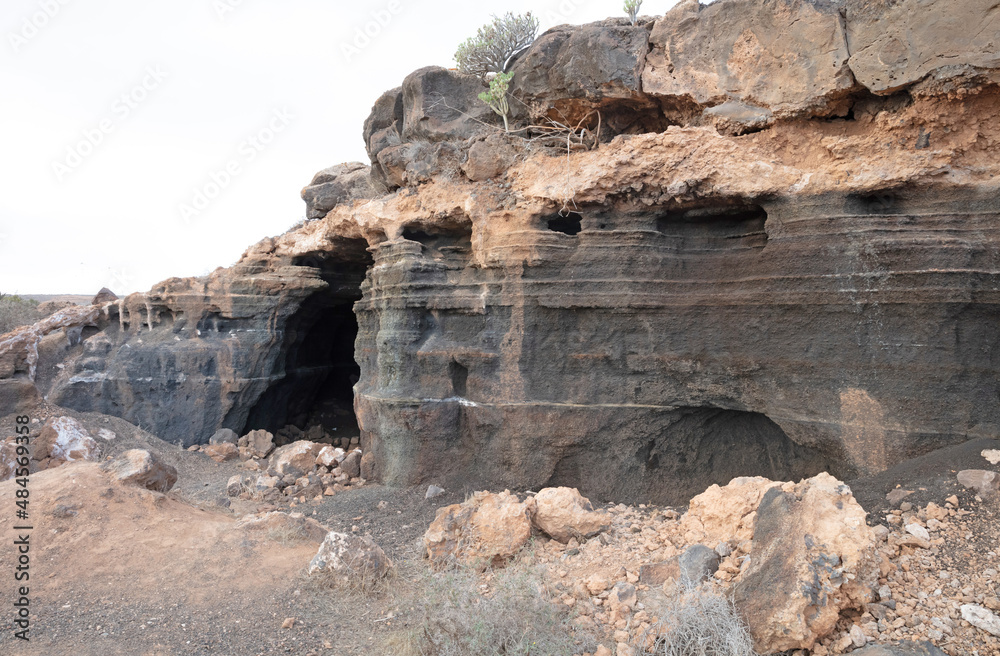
(496, 43)
(496, 97)
(632, 9)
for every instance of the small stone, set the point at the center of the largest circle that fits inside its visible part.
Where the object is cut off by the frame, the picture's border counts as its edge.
(858, 637)
(953, 500)
(602, 651)
(918, 531)
(288, 623)
(982, 481)
(434, 491)
(897, 495)
(992, 456)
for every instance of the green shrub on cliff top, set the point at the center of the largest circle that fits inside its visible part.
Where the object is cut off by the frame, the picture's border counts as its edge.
(16, 312)
(496, 43)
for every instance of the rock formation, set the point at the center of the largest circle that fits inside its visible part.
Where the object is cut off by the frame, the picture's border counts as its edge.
(769, 248)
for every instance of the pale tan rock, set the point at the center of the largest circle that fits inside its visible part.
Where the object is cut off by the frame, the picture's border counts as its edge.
(487, 529)
(64, 439)
(562, 513)
(143, 469)
(256, 444)
(221, 452)
(723, 514)
(355, 559)
(813, 555)
(330, 456)
(992, 456)
(297, 458)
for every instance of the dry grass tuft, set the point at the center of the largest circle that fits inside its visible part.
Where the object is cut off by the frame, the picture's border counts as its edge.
(698, 622)
(502, 613)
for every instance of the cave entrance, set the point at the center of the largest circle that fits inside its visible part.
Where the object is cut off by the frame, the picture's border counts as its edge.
(314, 396)
(693, 448)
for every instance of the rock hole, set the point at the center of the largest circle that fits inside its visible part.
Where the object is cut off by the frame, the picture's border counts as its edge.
(571, 224)
(316, 371)
(696, 447)
(715, 227)
(459, 378)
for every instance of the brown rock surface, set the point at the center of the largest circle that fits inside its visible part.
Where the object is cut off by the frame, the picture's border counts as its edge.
(812, 556)
(787, 56)
(487, 529)
(562, 513)
(143, 469)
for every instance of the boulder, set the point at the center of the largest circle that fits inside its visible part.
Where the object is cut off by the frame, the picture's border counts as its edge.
(224, 435)
(386, 116)
(721, 514)
(63, 439)
(104, 296)
(143, 469)
(352, 464)
(981, 618)
(335, 185)
(221, 452)
(571, 71)
(256, 444)
(562, 514)
(486, 529)
(351, 558)
(441, 104)
(285, 525)
(980, 480)
(898, 44)
(992, 456)
(813, 555)
(903, 649)
(296, 459)
(330, 456)
(489, 158)
(787, 57)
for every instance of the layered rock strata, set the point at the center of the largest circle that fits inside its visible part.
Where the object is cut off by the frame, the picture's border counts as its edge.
(769, 247)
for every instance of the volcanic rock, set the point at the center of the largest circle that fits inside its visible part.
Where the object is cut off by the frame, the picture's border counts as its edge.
(980, 480)
(486, 529)
(355, 559)
(563, 514)
(812, 556)
(224, 435)
(63, 439)
(335, 185)
(221, 452)
(104, 296)
(904, 649)
(721, 514)
(143, 469)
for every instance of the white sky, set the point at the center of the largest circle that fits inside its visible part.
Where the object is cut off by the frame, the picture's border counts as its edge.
(75, 217)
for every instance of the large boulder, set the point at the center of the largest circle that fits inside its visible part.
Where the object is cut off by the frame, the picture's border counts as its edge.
(104, 296)
(785, 56)
(486, 529)
(351, 558)
(143, 469)
(61, 440)
(570, 71)
(723, 514)
(224, 435)
(562, 513)
(256, 444)
(812, 556)
(441, 104)
(335, 185)
(898, 44)
(297, 458)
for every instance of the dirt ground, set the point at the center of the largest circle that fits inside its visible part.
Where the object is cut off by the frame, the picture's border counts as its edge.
(123, 571)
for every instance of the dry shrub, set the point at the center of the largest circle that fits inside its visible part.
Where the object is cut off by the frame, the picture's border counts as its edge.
(461, 618)
(699, 622)
(16, 312)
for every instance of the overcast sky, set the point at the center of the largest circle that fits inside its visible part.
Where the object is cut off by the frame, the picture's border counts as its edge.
(144, 140)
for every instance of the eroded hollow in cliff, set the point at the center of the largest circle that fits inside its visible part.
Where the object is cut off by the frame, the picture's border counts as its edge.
(695, 448)
(314, 385)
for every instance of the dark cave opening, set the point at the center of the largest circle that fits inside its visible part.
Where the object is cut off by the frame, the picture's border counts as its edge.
(696, 448)
(571, 224)
(313, 394)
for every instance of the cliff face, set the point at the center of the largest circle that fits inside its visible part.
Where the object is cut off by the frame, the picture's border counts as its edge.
(769, 247)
